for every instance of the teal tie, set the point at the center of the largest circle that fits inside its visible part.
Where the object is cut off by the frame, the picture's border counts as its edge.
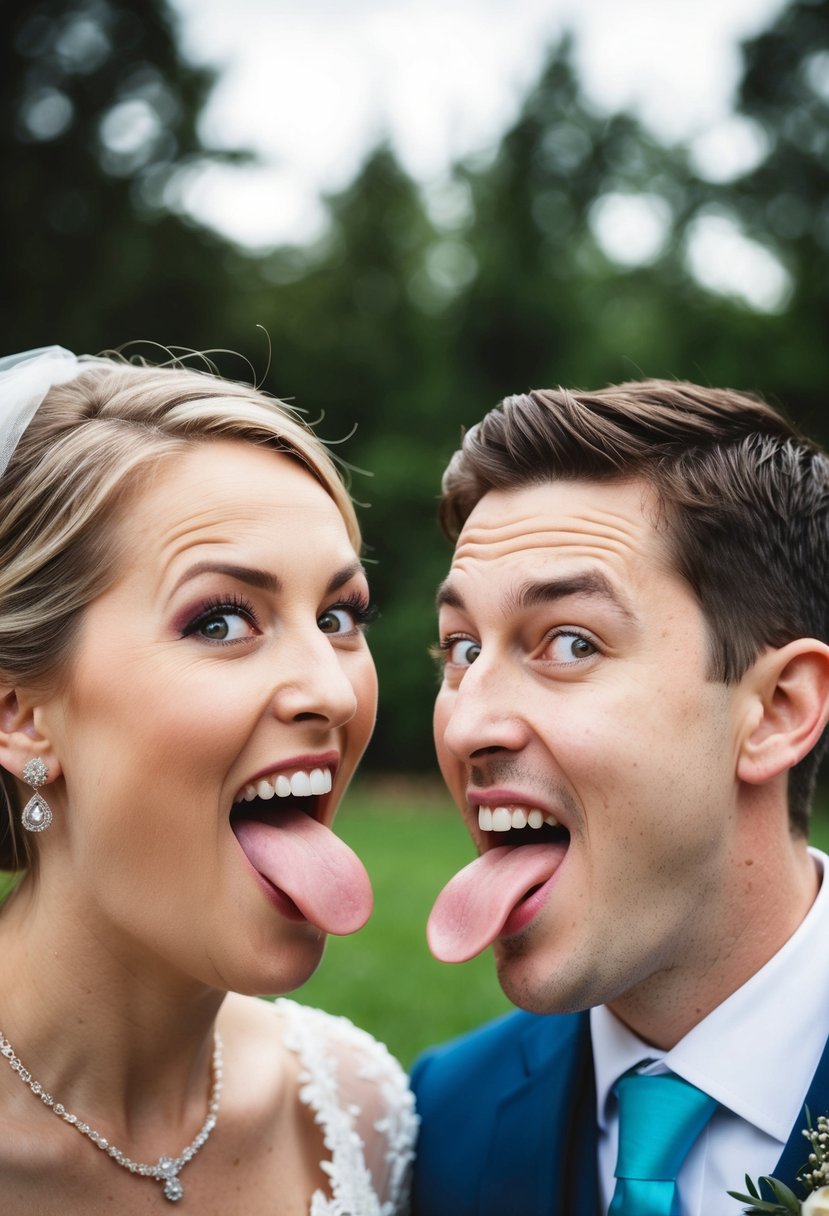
(660, 1117)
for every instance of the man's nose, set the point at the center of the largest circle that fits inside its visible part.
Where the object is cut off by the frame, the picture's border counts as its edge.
(484, 713)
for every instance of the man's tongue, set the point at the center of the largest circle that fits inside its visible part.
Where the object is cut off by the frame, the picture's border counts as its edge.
(320, 873)
(471, 909)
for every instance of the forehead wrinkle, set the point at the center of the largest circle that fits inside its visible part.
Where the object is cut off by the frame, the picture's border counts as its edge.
(597, 530)
(207, 516)
(515, 525)
(585, 552)
(213, 524)
(575, 542)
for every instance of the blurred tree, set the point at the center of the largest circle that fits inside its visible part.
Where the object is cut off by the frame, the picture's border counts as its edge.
(784, 201)
(99, 114)
(549, 304)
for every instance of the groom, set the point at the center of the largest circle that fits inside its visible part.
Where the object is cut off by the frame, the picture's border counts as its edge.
(634, 695)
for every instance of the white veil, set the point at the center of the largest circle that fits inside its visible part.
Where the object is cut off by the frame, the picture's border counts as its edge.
(25, 379)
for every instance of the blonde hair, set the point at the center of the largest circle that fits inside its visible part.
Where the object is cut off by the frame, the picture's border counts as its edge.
(89, 449)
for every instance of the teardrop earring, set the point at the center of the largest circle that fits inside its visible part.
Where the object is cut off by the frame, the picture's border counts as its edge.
(37, 814)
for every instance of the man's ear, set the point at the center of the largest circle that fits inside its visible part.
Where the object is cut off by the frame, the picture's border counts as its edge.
(21, 738)
(790, 708)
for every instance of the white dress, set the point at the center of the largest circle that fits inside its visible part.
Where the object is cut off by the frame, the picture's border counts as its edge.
(362, 1103)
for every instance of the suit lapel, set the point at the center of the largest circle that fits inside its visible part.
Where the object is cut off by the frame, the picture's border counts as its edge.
(545, 1129)
(797, 1150)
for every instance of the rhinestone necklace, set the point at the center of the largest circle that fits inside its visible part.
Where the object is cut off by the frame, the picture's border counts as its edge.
(168, 1168)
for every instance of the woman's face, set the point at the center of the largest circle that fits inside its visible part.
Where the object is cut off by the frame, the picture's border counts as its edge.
(220, 696)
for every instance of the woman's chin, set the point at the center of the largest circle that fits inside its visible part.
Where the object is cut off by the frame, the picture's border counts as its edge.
(289, 968)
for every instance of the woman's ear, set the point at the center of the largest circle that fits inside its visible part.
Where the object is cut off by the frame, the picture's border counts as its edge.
(790, 708)
(21, 739)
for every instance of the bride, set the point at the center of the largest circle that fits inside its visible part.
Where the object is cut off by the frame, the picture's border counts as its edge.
(185, 692)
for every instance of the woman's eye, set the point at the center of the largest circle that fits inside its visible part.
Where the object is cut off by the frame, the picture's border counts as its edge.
(224, 627)
(339, 620)
(222, 621)
(462, 652)
(570, 647)
(348, 617)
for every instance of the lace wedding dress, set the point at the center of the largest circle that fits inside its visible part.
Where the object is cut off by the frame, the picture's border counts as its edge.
(363, 1106)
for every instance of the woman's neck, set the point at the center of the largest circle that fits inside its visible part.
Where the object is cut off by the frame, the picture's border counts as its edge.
(115, 1036)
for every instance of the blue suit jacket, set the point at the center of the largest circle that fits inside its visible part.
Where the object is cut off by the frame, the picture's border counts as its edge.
(509, 1122)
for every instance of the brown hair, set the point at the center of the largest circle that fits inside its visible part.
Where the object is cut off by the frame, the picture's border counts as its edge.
(91, 446)
(743, 493)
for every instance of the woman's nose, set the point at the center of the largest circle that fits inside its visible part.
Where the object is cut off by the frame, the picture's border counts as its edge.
(312, 683)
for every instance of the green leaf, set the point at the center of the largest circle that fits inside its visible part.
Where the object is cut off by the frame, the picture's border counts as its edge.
(760, 1205)
(787, 1203)
(786, 1197)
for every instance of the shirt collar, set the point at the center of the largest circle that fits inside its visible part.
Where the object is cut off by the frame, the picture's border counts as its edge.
(731, 1054)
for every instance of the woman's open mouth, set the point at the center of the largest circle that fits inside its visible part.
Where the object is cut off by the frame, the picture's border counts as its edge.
(308, 872)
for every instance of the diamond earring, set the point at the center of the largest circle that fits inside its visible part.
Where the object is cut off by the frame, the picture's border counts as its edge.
(37, 814)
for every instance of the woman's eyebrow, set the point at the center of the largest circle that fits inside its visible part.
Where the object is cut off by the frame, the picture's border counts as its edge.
(343, 576)
(261, 579)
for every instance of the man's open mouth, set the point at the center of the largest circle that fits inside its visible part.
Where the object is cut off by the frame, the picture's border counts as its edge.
(512, 824)
(521, 851)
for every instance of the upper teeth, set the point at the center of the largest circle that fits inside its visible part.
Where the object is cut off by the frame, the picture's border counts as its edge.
(503, 818)
(300, 784)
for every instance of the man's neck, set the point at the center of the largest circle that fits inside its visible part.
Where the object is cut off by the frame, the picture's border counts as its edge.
(767, 909)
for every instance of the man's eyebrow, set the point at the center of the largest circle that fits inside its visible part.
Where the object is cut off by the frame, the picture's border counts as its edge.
(448, 597)
(548, 591)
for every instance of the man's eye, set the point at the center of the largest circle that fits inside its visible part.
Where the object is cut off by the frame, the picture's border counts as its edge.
(570, 647)
(462, 652)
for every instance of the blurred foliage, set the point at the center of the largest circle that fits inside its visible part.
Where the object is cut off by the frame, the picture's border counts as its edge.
(419, 308)
(99, 115)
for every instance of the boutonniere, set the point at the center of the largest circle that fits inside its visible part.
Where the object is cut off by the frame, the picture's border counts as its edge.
(813, 1178)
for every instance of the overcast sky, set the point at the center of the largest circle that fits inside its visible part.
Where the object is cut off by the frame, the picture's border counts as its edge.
(312, 84)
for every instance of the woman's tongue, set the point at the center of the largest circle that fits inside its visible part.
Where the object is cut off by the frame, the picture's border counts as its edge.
(471, 909)
(317, 870)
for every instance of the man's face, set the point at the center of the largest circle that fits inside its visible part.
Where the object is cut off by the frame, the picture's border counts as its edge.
(575, 695)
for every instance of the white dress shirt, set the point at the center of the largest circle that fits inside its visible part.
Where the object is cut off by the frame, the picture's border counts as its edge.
(756, 1053)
